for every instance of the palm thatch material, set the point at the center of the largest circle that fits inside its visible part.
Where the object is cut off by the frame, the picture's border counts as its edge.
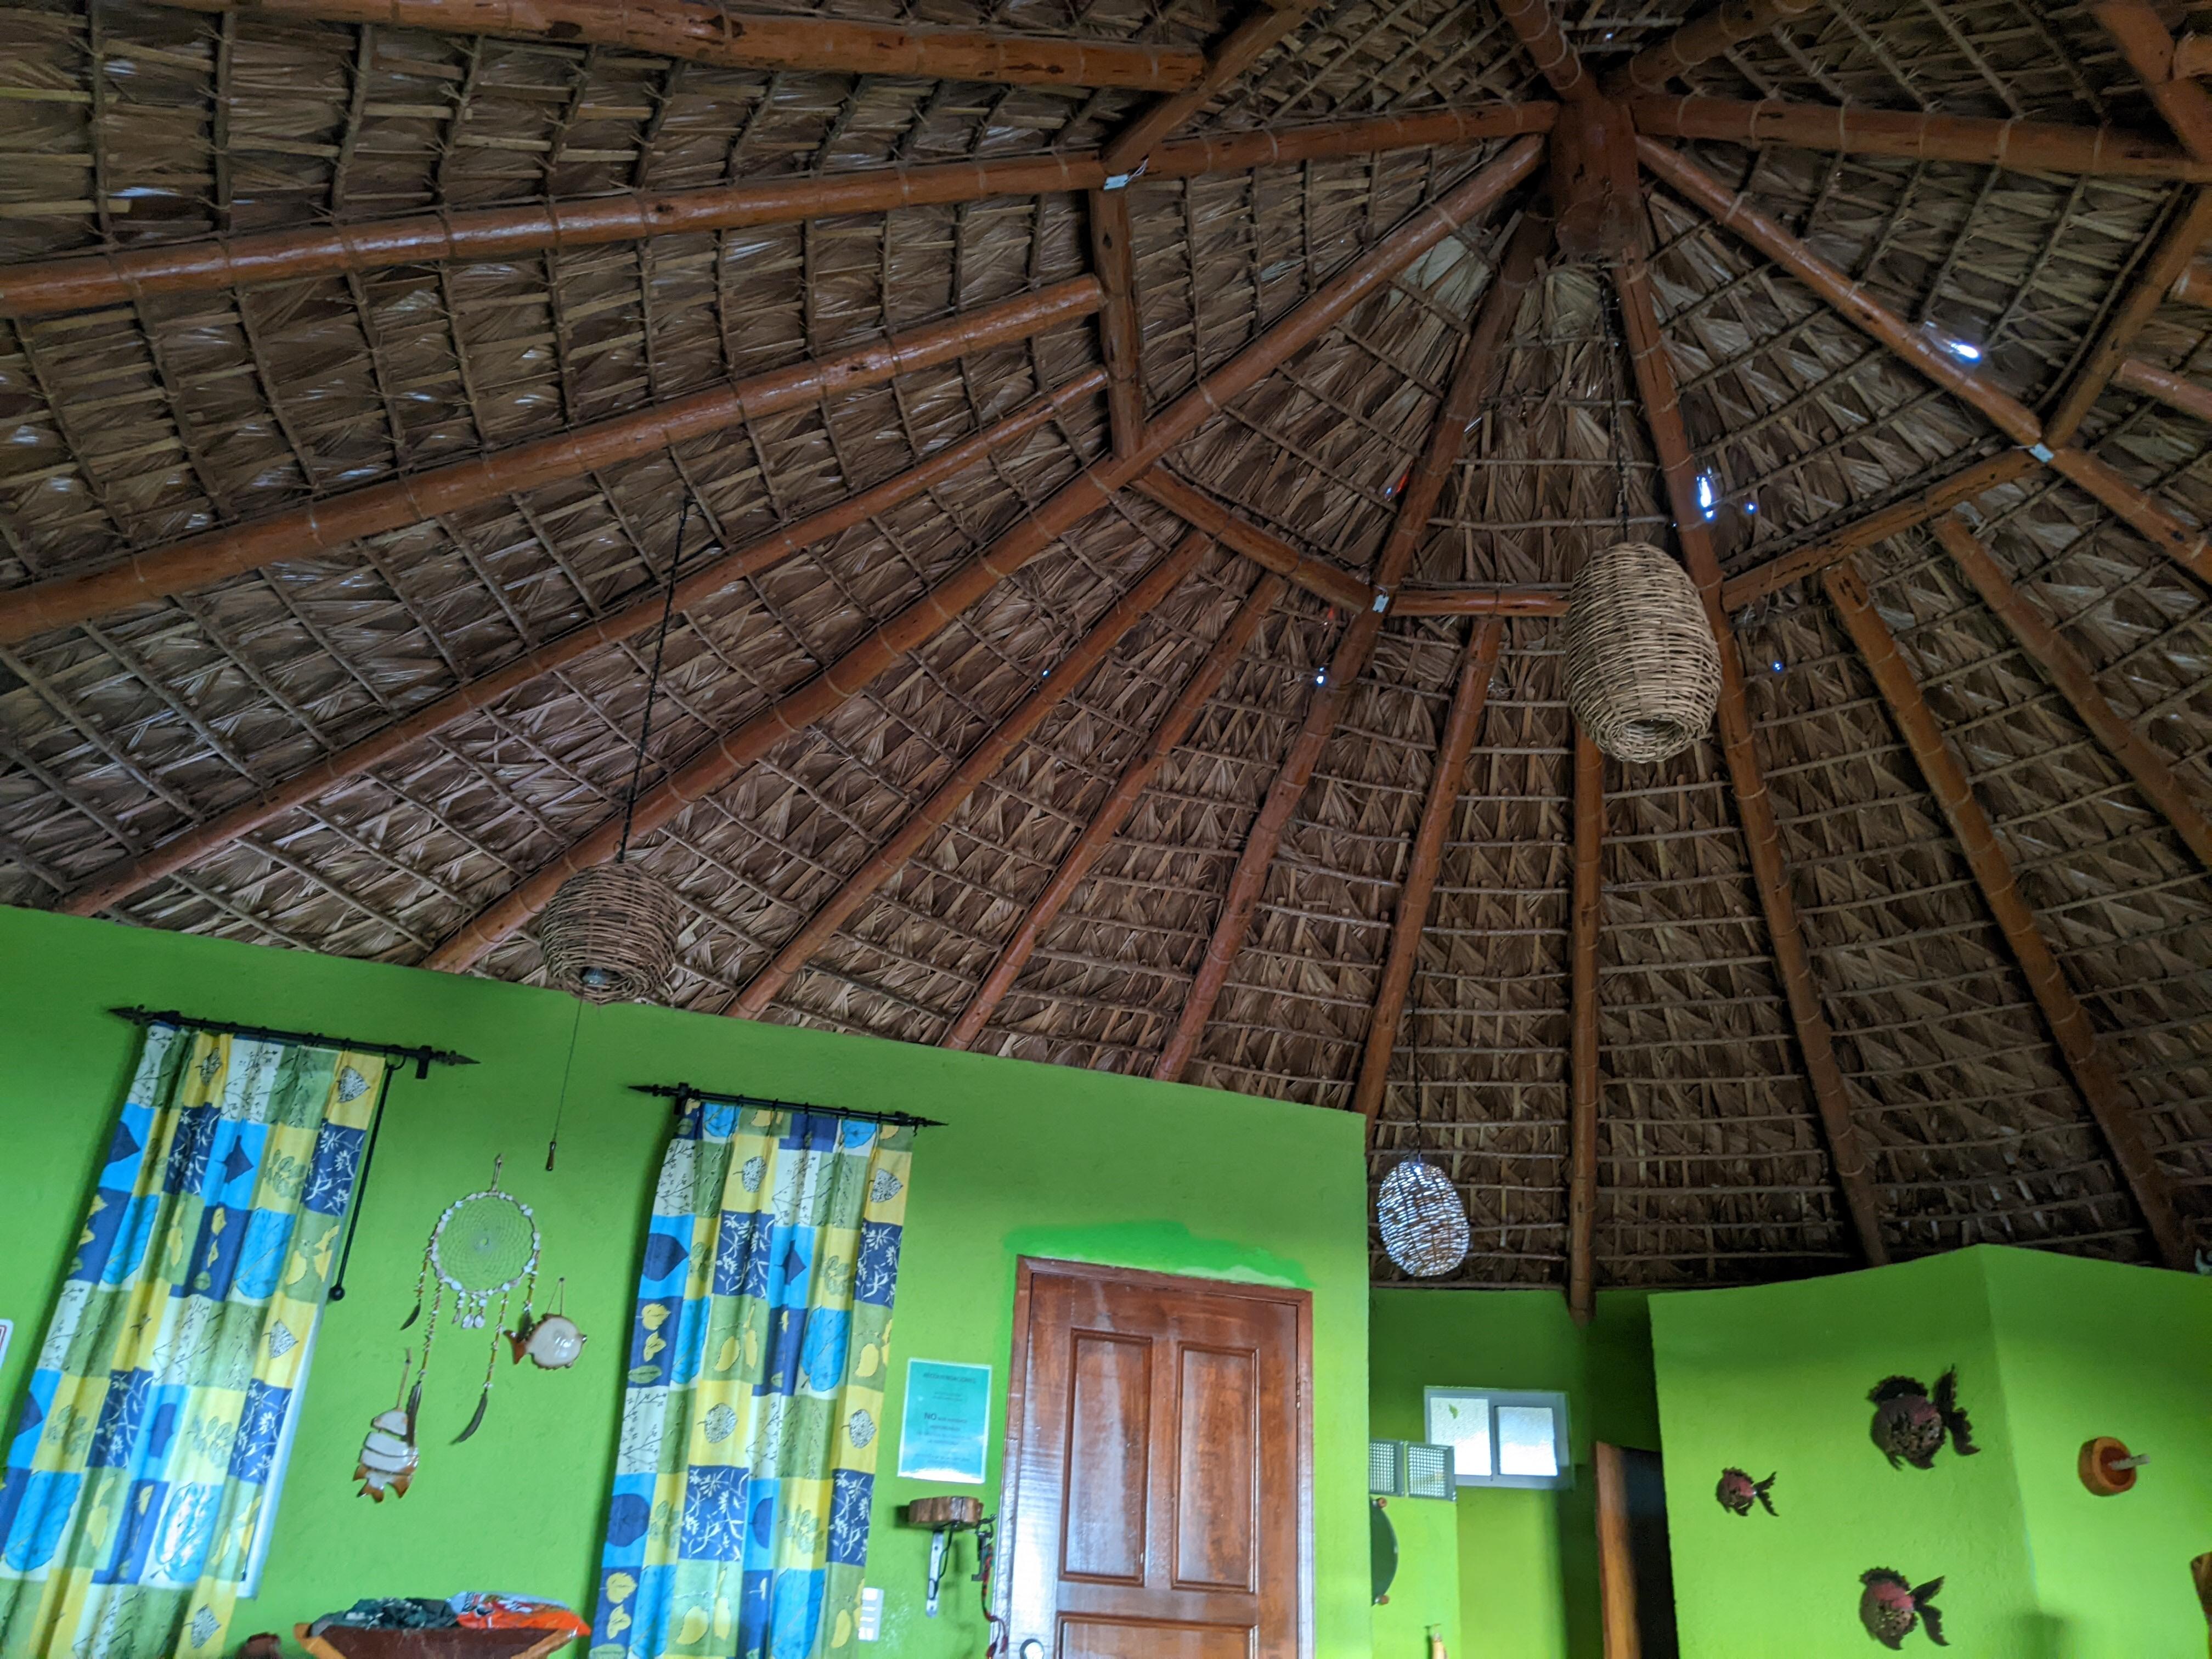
(1643, 669)
(1422, 1220)
(610, 934)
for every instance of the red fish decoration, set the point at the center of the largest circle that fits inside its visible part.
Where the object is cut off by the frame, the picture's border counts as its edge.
(1912, 1423)
(1738, 1491)
(1892, 1605)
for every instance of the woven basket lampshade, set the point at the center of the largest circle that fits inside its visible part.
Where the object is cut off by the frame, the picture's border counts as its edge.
(1644, 671)
(1424, 1223)
(609, 934)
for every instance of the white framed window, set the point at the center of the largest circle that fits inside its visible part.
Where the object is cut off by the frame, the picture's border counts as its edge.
(1502, 1438)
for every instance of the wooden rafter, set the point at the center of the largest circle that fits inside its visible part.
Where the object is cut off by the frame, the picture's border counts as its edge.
(201, 561)
(1424, 858)
(1121, 330)
(1588, 917)
(729, 754)
(2194, 286)
(1479, 601)
(1261, 29)
(700, 35)
(1555, 58)
(1480, 363)
(2168, 263)
(1762, 833)
(2176, 391)
(976, 769)
(1921, 136)
(2144, 40)
(2069, 672)
(1319, 577)
(116, 277)
(1702, 40)
(2071, 1030)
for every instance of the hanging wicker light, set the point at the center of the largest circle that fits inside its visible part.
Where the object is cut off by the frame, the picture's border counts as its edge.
(1644, 671)
(1424, 1223)
(610, 933)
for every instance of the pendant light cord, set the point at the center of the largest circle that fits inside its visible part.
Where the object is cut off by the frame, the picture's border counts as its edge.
(653, 682)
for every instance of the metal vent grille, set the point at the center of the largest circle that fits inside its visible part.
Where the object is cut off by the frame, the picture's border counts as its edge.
(1386, 1468)
(1429, 1471)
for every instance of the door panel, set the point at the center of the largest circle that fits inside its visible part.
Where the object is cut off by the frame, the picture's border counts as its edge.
(1159, 1467)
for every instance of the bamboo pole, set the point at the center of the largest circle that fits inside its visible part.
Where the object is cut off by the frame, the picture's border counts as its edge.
(2194, 286)
(1616, 1556)
(2071, 1030)
(317, 526)
(728, 755)
(1106, 824)
(2191, 398)
(2021, 146)
(1480, 602)
(1259, 29)
(1762, 833)
(2184, 543)
(974, 769)
(1703, 38)
(1477, 664)
(1547, 42)
(1588, 916)
(1480, 363)
(1264, 547)
(708, 34)
(118, 881)
(2066, 669)
(1121, 330)
(2142, 37)
(2168, 264)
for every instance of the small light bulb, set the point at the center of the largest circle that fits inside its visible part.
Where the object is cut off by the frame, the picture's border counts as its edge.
(1777, 668)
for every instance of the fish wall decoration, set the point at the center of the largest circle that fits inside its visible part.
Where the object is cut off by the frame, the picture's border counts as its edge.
(1912, 1423)
(1738, 1491)
(1890, 1607)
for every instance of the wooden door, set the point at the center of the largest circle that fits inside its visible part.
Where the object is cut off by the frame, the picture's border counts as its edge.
(1159, 1467)
(1636, 1577)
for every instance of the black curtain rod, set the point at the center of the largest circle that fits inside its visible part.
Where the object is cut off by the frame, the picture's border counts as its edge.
(424, 1057)
(680, 1092)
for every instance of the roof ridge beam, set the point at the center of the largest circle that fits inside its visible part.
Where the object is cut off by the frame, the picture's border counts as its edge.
(1762, 835)
(1114, 811)
(726, 39)
(2071, 1029)
(2076, 681)
(1703, 38)
(1471, 378)
(1587, 913)
(1920, 136)
(2149, 47)
(728, 754)
(329, 523)
(118, 881)
(976, 769)
(1477, 662)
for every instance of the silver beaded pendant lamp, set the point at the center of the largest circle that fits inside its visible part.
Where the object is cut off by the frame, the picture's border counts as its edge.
(1417, 1209)
(610, 933)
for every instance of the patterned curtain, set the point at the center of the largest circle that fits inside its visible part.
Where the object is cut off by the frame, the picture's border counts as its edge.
(738, 1521)
(139, 1480)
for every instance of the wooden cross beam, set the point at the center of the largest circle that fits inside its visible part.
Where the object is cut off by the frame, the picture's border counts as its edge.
(1702, 40)
(1477, 664)
(318, 526)
(2168, 264)
(2190, 398)
(728, 754)
(1121, 326)
(2070, 672)
(2071, 1030)
(1261, 29)
(1762, 833)
(2144, 40)
(1318, 577)
(1106, 824)
(1588, 917)
(976, 769)
(2194, 286)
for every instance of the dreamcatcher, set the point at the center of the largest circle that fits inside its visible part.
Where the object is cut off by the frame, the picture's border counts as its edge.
(482, 1247)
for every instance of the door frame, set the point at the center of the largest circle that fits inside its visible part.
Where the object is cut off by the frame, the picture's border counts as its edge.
(1301, 1302)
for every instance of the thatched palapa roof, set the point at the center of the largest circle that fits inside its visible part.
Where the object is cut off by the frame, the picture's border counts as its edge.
(1133, 455)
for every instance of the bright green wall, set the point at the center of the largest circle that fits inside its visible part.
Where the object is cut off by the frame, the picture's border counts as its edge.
(2091, 1348)
(1037, 1160)
(1527, 1560)
(1423, 1595)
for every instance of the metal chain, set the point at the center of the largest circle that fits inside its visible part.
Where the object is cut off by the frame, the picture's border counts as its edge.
(653, 682)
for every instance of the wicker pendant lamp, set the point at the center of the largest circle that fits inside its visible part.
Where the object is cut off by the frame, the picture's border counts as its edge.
(610, 933)
(1416, 1210)
(1643, 668)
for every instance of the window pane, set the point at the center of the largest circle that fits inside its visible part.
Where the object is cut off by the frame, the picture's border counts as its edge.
(1462, 1422)
(1525, 1441)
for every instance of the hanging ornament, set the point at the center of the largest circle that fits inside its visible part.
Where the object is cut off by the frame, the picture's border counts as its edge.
(551, 1341)
(1424, 1223)
(610, 933)
(483, 1247)
(388, 1454)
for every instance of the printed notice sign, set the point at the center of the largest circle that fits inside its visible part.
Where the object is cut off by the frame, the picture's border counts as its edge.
(944, 1432)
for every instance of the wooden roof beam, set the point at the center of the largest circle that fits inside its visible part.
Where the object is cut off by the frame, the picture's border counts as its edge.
(1121, 326)
(1114, 811)
(1921, 349)
(728, 755)
(2167, 265)
(2144, 41)
(1703, 38)
(2069, 672)
(1261, 29)
(1555, 58)
(976, 769)
(1318, 577)
(328, 523)
(728, 39)
(1917, 135)
(1762, 833)
(1477, 664)
(1480, 602)
(1587, 917)
(2176, 391)
(117, 276)
(2071, 1030)
(120, 880)
(2194, 286)
(1475, 374)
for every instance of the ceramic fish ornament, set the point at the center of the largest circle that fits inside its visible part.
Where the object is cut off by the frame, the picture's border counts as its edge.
(551, 1341)
(388, 1454)
(1911, 1424)
(1738, 1491)
(1890, 1607)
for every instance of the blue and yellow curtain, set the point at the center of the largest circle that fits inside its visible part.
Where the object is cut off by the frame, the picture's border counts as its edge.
(738, 1521)
(137, 1484)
